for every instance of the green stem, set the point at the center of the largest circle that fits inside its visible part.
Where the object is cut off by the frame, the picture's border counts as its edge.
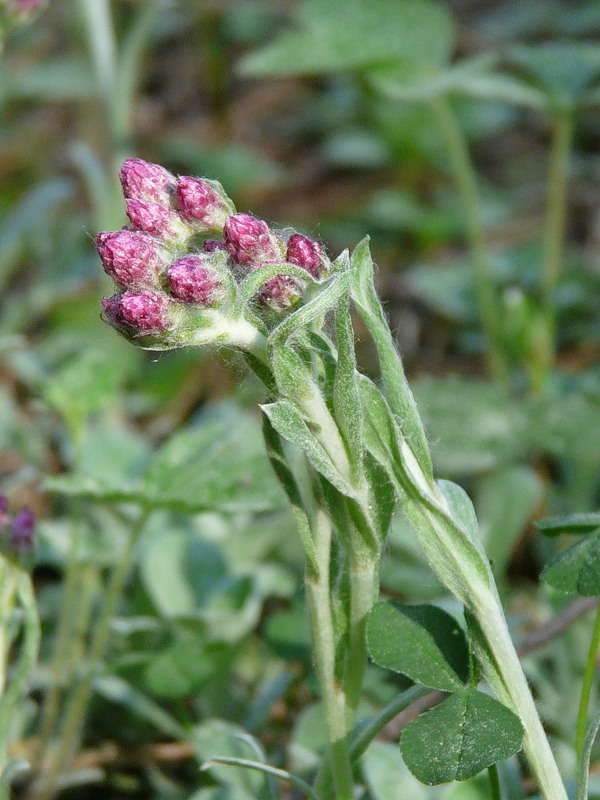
(466, 181)
(505, 674)
(76, 708)
(554, 236)
(365, 735)
(583, 761)
(363, 592)
(495, 791)
(586, 686)
(323, 637)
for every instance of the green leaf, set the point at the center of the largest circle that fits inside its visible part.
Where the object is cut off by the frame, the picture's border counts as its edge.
(420, 641)
(398, 392)
(563, 70)
(416, 33)
(347, 408)
(181, 572)
(325, 298)
(577, 569)
(288, 422)
(180, 669)
(387, 776)
(286, 477)
(571, 523)
(85, 385)
(218, 465)
(119, 691)
(459, 738)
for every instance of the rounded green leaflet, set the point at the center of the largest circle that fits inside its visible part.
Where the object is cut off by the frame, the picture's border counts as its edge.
(577, 569)
(421, 641)
(459, 738)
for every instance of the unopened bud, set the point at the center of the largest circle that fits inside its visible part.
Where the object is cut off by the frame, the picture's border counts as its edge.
(193, 280)
(158, 220)
(280, 293)
(306, 253)
(144, 181)
(203, 203)
(145, 312)
(250, 241)
(22, 531)
(133, 259)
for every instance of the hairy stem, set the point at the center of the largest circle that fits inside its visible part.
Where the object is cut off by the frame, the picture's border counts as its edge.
(508, 680)
(586, 686)
(466, 182)
(363, 592)
(323, 637)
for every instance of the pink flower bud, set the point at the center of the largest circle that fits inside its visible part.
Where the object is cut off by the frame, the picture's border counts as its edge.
(250, 241)
(213, 246)
(158, 220)
(22, 532)
(306, 253)
(204, 202)
(145, 311)
(280, 293)
(144, 181)
(131, 258)
(193, 280)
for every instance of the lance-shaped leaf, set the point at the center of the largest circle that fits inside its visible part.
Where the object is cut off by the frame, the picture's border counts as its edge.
(346, 396)
(420, 641)
(398, 392)
(459, 738)
(577, 569)
(451, 549)
(286, 477)
(288, 422)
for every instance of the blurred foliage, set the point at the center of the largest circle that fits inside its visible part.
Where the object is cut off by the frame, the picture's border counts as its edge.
(212, 625)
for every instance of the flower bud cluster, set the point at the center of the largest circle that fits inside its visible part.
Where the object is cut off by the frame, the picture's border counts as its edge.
(17, 533)
(186, 252)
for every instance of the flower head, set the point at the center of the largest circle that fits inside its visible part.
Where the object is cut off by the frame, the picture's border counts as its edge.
(144, 181)
(250, 241)
(280, 293)
(158, 220)
(306, 253)
(193, 280)
(203, 203)
(144, 312)
(133, 259)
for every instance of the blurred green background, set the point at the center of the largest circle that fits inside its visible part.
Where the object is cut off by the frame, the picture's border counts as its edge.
(198, 87)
